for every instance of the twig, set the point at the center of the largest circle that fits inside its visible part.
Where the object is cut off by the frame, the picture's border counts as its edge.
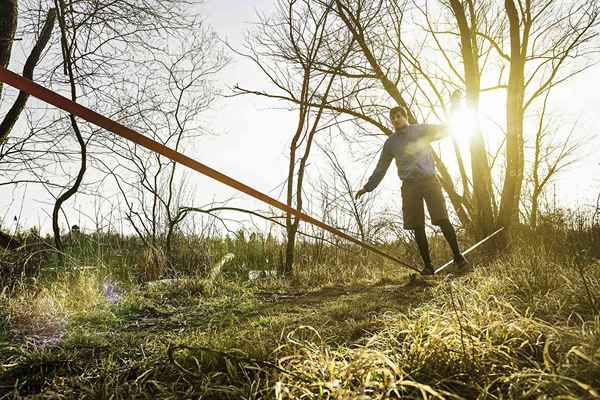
(458, 318)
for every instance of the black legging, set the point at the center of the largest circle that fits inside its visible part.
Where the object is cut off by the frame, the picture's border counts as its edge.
(449, 234)
(421, 239)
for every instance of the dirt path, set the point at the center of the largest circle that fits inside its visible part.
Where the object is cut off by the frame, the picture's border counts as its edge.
(253, 322)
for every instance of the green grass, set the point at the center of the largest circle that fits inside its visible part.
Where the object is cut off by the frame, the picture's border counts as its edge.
(523, 325)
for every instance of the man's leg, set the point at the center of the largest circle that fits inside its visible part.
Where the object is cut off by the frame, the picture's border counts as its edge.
(414, 219)
(450, 235)
(439, 216)
(421, 239)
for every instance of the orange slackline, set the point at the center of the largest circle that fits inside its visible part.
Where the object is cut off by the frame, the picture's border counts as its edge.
(71, 107)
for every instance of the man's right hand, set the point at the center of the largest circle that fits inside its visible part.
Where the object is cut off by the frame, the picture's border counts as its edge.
(360, 193)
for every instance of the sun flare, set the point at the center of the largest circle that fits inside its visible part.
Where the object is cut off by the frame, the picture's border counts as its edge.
(464, 122)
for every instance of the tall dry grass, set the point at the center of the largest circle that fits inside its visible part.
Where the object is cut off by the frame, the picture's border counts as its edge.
(521, 327)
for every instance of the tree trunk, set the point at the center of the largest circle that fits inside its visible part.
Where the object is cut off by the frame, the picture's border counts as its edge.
(483, 217)
(82, 145)
(535, 200)
(11, 117)
(513, 180)
(290, 221)
(461, 205)
(8, 27)
(290, 245)
(482, 186)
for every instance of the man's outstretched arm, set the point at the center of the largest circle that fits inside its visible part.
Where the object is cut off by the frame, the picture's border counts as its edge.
(382, 166)
(435, 132)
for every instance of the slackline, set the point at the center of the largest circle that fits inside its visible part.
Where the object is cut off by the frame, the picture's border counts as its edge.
(57, 100)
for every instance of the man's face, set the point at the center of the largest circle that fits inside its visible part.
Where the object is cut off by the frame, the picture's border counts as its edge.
(399, 120)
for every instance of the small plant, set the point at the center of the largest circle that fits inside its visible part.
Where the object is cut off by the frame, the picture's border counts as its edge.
(152, 265)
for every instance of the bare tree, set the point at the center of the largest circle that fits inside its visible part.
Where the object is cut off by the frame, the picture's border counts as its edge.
(371, 72)
(544, 36)
(69, 67)
(552, 154)
(154, 192)
(101, 45)
(18, 106)
(468, 25)
(452, 45)
(302, 40)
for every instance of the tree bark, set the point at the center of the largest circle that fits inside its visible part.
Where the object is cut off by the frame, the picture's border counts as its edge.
(82, 145)
(13, 114)
(482, 180)
(8, 27)
(460, 204)
(513, 180)
(290, 223)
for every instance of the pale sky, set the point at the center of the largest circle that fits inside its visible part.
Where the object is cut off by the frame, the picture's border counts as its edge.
(254, 129)
(257, 137)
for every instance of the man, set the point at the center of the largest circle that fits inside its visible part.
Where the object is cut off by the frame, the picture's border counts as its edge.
(410, 146)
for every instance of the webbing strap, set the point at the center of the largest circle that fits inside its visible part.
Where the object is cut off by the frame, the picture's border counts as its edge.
(55, 99)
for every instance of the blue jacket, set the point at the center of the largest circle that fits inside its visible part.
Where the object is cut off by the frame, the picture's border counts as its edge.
(411, 148)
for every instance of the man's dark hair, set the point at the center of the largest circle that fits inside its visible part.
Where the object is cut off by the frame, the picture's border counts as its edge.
(398, 110)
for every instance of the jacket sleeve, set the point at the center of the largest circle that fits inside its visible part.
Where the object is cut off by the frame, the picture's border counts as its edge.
(382, 166)
(432, 132)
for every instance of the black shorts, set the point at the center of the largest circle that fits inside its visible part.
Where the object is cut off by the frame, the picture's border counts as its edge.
(413, 194)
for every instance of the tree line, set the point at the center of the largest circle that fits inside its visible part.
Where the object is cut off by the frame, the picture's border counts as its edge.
(339, 64)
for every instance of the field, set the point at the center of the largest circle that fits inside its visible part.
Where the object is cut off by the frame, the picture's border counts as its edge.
(102, 322)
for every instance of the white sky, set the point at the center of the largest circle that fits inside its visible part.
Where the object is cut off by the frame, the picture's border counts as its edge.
(256, 137)
(262, 135)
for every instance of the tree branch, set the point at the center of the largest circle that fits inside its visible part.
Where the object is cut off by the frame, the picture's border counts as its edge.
(13, 114)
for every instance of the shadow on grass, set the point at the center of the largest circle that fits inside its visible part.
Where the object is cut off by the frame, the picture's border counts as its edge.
(137, 332)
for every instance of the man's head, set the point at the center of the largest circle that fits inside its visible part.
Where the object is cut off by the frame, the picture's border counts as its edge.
(399, 117)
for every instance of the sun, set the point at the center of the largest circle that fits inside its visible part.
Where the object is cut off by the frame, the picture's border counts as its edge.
(488, 120)
(464, 122)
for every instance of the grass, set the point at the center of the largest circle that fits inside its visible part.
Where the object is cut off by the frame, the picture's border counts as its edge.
(523, 325)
